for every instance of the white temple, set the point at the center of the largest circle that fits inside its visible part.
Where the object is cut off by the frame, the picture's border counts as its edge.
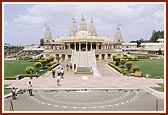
(83, 46)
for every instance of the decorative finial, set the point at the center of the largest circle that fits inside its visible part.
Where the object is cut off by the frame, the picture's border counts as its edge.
(91, 19)
(73, 19)
(119, 24)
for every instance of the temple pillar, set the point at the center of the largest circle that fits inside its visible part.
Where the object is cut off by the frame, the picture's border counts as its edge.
(79, 46)
(91, 46)
(75, 46)
(86, 46)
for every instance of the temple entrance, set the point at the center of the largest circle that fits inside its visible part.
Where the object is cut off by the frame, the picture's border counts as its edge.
(63, 57)
(93, 46)
(72, 46)
(77, 46)
(88, 47)
(83, 47)
(103, 56)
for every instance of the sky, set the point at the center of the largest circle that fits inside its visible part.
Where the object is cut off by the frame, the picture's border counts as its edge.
(24, 24)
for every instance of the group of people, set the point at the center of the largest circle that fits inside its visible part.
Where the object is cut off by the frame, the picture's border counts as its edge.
(60, 74)
(29, 89)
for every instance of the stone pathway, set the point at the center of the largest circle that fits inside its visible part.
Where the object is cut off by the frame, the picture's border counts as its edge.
(108, 78)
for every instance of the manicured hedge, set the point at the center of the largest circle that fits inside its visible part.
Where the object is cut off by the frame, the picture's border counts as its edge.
(53, 66)
(115, 67)
(20, 76)
(143, 56)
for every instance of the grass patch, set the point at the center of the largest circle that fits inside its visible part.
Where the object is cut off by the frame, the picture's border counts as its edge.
(154, 67)
(7, 90)
(15, 67)
(160, 89)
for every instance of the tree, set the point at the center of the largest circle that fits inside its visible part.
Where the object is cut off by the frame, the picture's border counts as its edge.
(135, 68)
(139, 43)
(114, 56)
(43, 62)
(117, 59)
(28, 69)
(156, 35)
(38, 64)
(58, 58)
(51, 58)
(48, 60)
(42, 42)
(128, 64)
(122, 61)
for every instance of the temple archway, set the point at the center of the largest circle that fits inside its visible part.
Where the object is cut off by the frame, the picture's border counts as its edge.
(83, 47)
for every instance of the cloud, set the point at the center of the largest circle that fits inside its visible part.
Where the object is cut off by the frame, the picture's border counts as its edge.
(28, 19)
(158, 14)
(137, 20)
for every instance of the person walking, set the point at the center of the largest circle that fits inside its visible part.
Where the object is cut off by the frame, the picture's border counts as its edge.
(58, 79)
(53, 73)
(62, 73)
(58, 71)
(67, 66)
(30, 88)
(13, 93)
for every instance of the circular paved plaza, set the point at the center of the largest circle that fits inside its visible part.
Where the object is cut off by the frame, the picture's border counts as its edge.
(86, 100)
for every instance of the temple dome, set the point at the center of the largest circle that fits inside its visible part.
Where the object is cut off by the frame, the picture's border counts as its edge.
(82, 34)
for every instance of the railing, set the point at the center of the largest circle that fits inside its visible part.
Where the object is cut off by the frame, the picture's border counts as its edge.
(59, 51)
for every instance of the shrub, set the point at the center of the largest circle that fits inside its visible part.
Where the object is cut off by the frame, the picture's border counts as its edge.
(47, 60)
(128, 65)
(51, 58)
(117, 59)
(143, 56)
(148, 75)
(122, 61)
(135, 68)
(28, 69)
(20, 76)
(131, 74)
(115, 67)
(53, 66)
(158, 77)
(114, 56)
(58, 59)
(38, 64)
(43, 62)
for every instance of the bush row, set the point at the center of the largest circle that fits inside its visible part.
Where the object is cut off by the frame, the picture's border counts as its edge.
(143, 56)
(115, 67)
(53, 66)
(20, 76)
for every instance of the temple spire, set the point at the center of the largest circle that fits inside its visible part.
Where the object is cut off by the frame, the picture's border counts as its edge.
(118, 37)
(92, 29)
(48, 35)
(74, 30)
(83, 24)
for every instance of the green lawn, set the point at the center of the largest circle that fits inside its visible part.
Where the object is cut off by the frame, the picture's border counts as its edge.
(7, 90)
(15, 67)
(160, 89)
(154, 67)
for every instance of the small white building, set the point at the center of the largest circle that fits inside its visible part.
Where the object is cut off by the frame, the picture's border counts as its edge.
(146, 48)
(33, 47)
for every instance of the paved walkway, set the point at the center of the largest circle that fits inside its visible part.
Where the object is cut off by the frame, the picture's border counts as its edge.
(107, 78)
(90, 100)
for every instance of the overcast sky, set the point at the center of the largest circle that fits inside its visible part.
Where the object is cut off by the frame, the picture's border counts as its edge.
(24, 24)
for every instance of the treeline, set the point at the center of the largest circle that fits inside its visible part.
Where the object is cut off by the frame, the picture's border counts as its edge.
(153, 39)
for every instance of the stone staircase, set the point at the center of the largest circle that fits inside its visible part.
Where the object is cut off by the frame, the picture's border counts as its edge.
(83, 59)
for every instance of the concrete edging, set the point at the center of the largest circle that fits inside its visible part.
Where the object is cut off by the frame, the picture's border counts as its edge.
(154, 92)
